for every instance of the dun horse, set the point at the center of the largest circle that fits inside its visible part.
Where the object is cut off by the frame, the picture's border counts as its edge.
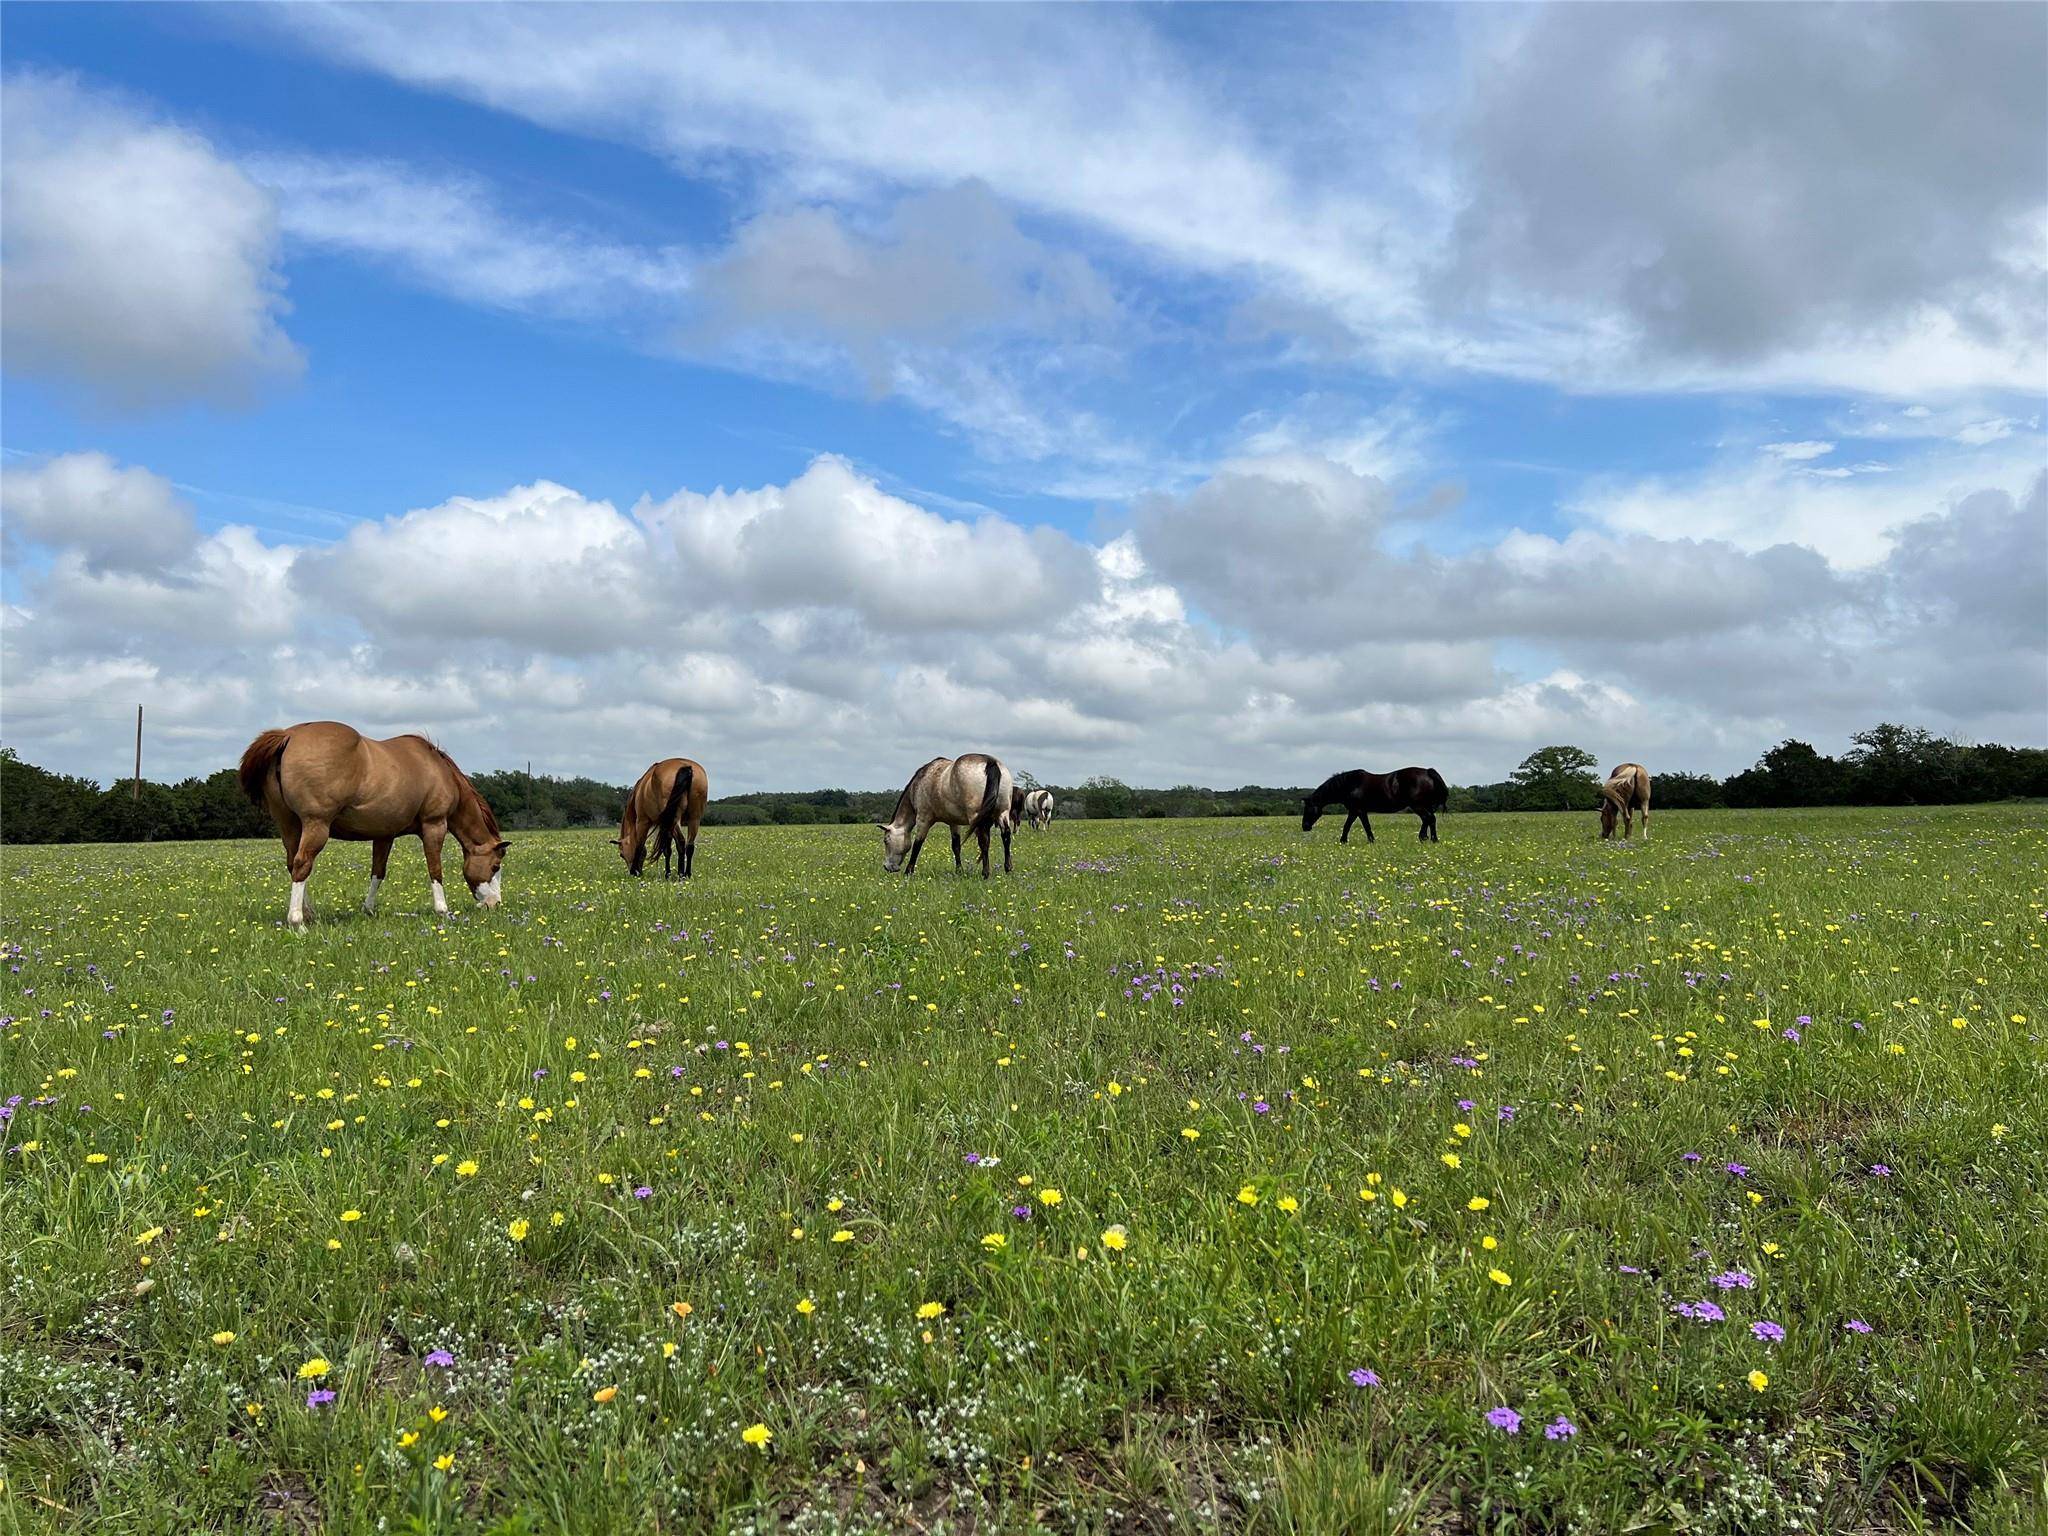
(325, 780)
(1420, 790)
(972, 792)
(669, 802)
(1626, 791)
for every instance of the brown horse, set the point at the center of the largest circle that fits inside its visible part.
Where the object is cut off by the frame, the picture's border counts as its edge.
(1626, 791)
(973, 791)
(324, 779)
(667, 801)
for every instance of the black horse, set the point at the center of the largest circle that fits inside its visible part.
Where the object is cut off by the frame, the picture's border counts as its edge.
(1421, 790)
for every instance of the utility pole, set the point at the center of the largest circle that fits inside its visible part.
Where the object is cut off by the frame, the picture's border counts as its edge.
(138, 753)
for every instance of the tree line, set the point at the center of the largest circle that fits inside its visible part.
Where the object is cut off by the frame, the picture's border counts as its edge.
(1885, 765)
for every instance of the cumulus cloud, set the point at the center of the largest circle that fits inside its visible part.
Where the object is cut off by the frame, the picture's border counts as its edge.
(139, 263)
(1257, 628)
(111, 518)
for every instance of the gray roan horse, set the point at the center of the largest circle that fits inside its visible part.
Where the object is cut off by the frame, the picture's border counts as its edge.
(324, 779)
(972, 792)
(1626, 791)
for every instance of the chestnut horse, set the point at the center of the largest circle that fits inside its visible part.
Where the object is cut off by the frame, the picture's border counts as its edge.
(1421, 790)
(1626, 791)
(324, 779)
(669, 802)
(972, 791)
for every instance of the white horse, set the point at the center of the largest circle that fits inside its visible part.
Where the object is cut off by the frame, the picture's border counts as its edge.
(1626, 791)
(972, 792)
(1038, 808)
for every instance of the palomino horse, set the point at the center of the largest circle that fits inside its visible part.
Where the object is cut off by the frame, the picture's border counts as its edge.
(668, 801)
(1421, 790)
(1626, 791)
(324, 779)
(972, 791)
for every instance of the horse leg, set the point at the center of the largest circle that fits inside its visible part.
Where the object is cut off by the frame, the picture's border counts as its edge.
(312, 838)
(1345, 835)
(1646, 823)
(981, 839)
(380, 860)
(924, 830)
(431, 835)
(1006, 851)
(956, 848)
(690, 853)
(1365, 821)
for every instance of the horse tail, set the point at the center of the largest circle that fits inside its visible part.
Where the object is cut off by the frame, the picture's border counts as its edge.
(991, 799)
(262, 755)
(1443, 790)
(671, 813)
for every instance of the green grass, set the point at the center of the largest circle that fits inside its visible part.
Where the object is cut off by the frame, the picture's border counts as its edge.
(794, 1028)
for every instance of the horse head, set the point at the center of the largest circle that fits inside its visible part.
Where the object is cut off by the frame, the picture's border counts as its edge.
(481, 867)
(895, 844)
(1311, 813)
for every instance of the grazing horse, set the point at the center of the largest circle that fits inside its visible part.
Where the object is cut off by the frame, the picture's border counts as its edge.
(324, 779)
(1626, 791)
(1031, 808)
(1038, 808)
(972, 792)
(669, 802)
(1421, 790)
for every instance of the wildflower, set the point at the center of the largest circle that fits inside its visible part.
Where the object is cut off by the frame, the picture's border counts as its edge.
(1735, 1279)
(1247, 1196)
(444, 1463)
(314, 1369)
(807, 1306)
(319, 1397)
(1560, 1428)
(1500, 1277)
(930, 1310)
(1289, 1204)
(1758, 1381)
(1399, 1198)
(517, 1229)
(758, 1436)
(604, 1394)
(1361, 1377)
(1769, 1332)
(1857, 1325)
(1450, 1160)
(681, 1308)
(993, 1240)
(351, 1215)
(1115, 1238)
(466, 1169)
(1477, 1203)
(224, 1338)
(1505, 1419)
(441, 1358)
(842, 1236)
(1049, 1196)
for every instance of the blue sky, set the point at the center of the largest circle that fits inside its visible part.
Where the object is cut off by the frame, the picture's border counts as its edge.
(1267, 389)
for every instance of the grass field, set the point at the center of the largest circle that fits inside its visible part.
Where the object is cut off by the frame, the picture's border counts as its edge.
(1199, 1177)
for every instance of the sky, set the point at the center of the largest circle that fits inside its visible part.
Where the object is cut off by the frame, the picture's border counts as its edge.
(1203, 395)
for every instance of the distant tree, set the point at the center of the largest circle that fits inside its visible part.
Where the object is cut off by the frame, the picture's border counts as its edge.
(1107, 798)
(1791, 773)
(1676, 791)
(1556, 779)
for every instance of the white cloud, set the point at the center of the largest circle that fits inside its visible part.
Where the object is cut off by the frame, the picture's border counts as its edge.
(1798, 453)
(448, 233)
(139, 263)
(113, 518)
(825, 631)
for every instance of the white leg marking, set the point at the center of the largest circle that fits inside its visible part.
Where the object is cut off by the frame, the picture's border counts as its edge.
(297, 915)
(370, 896)
(488, 893)
(440, 900)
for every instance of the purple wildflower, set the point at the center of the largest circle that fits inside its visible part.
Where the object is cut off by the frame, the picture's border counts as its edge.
(319, 1397)
(440, 1357)
(1880, 1170)
(1857, 1325)
(1740, 1170)
(1021, 1212)
(643, 1193)
(1768, 1331)
(1506, 1114)
(1505, 1419)
(1362, 1377)
(1689, 1157)
(1560, 1428)
(1735, 1280)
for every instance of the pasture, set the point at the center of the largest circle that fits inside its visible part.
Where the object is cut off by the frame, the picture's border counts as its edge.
(1198, 1177)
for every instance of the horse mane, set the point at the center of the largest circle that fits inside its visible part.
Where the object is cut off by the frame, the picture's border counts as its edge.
(461, 778)
(903, 801)
(1336, 784)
